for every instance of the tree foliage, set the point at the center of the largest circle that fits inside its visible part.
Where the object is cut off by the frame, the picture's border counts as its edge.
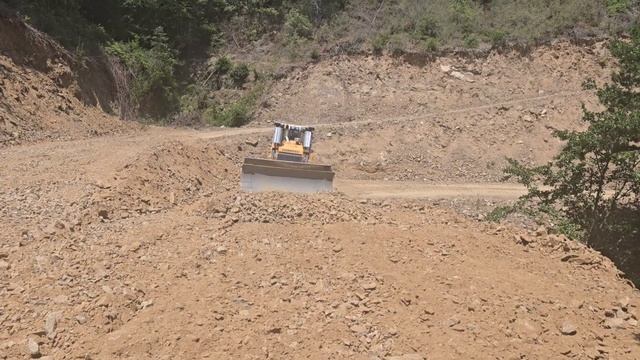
(151, 63)
(594, 182)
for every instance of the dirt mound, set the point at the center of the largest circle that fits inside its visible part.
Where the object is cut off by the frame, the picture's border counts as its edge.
(293, 209)
(170, 174)
(44, 94)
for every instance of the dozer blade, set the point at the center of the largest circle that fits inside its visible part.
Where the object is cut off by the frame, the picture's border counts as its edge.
(277, 175)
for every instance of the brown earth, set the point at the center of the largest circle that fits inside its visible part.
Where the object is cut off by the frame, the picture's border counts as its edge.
(46, 95)
(141, 246)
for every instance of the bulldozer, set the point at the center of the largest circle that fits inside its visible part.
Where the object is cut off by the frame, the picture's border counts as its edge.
(288, 168)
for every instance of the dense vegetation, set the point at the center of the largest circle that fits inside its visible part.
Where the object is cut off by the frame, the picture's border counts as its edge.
(179, 53)
(591, 190)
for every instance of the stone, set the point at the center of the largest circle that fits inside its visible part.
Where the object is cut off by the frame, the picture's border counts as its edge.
(81, 319)
(460, 76)
(33, 349)
(359, 329)
(623, 303)
(103, 214)
(446, 68)
(523, 239)
(369, 285)
(4, 265)
(61, 300)
(614, 323)
(337, 249)
(145, 304)
(51, 324)
(221, 250)
(568, 328)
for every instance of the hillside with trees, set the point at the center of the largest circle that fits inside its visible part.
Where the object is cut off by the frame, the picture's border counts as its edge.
(189, 61)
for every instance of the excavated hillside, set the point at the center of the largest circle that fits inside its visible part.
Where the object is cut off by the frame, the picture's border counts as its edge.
(141, 246)
(399, 121)
(45, 94)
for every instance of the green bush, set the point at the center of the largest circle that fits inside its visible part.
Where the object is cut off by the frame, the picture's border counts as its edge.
(315, 55)
(471, 42)
(239, 74)
(498, 38)
(617, 6)
(222, 66)
(398, 43)
(499, 213)
(430, 44)
(464, 15)
(296, 24)
(237, 113)
(194, 99)
(153, 84)
(427, 28)
(379, 43)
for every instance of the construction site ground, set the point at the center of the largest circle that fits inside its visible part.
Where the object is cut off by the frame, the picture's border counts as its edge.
(133, 242)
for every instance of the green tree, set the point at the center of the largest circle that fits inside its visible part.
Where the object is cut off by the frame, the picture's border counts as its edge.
(593, 184)
(151, 68)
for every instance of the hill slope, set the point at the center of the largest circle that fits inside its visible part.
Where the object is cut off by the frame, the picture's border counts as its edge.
(45, 94)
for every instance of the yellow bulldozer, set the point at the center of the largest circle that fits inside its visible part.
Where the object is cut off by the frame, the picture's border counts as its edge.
(288, 169)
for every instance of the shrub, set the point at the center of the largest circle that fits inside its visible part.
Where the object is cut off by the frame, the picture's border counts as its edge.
(296, 24)
(379, 43)
(153, 84)
(498, 38)
(500, 213)
(398, 43)
(427, 28)
(222, 66)
(617, 6)
(239, 74)
(464, 15)
(237, 113)
(430, 45)
(471, 42)
(315, 55)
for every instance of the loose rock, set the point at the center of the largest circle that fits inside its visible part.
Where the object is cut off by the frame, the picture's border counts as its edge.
(33, 349)
(568, 328)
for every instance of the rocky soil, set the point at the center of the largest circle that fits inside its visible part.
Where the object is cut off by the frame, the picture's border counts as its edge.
(141, 246)
(46, 95)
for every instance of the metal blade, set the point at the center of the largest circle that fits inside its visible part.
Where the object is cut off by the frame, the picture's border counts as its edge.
(274, 175)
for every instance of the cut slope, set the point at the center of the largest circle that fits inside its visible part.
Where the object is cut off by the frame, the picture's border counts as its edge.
(44, 94)
(453, 120)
